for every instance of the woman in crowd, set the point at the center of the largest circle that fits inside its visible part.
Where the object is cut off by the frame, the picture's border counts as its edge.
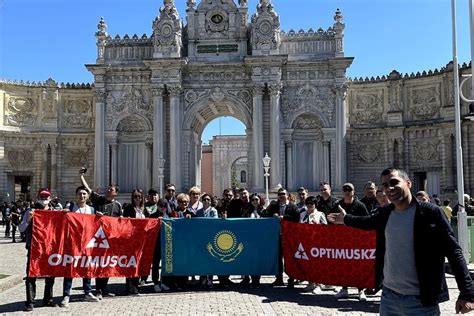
(256, 211)
(82, 195)
(136, 209)
(194, 203)
(210, 212)
(312, 216)
(158, 286)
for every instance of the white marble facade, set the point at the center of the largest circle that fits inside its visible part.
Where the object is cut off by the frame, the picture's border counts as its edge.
(142, 119)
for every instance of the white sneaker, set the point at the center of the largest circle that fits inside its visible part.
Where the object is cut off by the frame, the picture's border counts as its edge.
(317, 289)
(157, 288)
(328, 288)
(164, 287)
(310, 287)
(362, 297)
(343, 293)
(64, 302)
(89, 297)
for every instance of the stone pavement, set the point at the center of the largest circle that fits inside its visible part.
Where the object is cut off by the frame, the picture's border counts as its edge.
(236, 300)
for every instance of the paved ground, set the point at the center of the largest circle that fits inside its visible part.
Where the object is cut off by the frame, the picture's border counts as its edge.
(236, 300)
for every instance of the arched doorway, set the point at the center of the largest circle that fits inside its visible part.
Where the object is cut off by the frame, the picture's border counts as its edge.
(309, 153)
(217, 103)
(131, 155)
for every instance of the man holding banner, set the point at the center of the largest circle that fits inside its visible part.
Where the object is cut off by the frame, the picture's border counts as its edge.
(413, 239)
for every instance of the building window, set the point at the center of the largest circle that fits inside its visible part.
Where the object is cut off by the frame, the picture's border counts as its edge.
(243, 176)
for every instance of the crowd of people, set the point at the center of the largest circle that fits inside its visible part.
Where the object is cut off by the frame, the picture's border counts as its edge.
(234, 203)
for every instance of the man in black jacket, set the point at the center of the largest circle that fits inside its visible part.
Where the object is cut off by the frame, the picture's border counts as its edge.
(413, 239)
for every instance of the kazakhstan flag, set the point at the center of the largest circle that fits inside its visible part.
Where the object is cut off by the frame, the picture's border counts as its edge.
(207, 246)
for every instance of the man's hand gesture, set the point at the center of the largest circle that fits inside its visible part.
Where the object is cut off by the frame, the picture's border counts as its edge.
(463, 306)
(337, 218)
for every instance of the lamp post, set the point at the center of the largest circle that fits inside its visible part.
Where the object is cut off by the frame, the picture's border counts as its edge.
(266, 168)
(462, 216)
(161, 173)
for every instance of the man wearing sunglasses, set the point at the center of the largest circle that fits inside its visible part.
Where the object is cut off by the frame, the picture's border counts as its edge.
(170, 198)
(284, 210)
(351, 205)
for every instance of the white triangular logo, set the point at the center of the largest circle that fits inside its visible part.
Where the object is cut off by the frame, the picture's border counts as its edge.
(300, 253)
(99, 240)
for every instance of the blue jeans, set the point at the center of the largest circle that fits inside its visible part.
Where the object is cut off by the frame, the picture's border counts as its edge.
(393, 303)
(67, 285)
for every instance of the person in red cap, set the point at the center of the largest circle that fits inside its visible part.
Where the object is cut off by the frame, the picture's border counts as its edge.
(42, 203)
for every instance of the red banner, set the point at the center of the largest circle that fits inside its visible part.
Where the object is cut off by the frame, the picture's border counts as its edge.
(66, 244)
(329, 254)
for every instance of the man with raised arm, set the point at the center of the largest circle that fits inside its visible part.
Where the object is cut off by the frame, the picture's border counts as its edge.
(108, 206)
(413, 239)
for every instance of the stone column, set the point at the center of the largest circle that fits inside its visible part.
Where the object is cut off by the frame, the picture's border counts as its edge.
(54, 166)
(275, 151)
(175, 137)
(257, 135)
(113, 162)
(158, 134)
(44, 166)
(289, 165)
(325, 168)
(151, 171)
(341, 129)
(99, 154)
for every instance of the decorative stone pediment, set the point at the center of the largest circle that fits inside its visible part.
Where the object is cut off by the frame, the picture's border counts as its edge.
(265, 27)
(368, 153)
(167, 32)
(426, 150)
(77, 113)
(20, 111)
(307, 121)
(76, 157)
(367, 108)
(425, 102)
(129, 102)
(132, 124)
(308, 98)
(217, 96)
(20, 157)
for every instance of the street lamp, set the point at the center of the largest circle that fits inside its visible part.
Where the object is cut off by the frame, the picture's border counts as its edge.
(266, 168)
(161, 173)
(462, 215)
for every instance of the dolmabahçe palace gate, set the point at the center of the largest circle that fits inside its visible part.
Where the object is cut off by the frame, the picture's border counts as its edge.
(140, 123)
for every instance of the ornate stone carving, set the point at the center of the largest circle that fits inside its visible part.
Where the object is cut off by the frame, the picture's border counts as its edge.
(76, 157)
(132, 124)
(367, 109)
(217, 20)
(426, 150)
(100, 96)
(174, 90)
(368, 153)
(77, 114)
(310, 99)
(307, 122)
(217, 94)
(167, 32)
(425, 102)
(265, 26)
(20, 157)
(21, 111)
(132, 99)
(394, 96)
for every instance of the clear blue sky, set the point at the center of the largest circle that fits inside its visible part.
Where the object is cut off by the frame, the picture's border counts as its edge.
(55, 38)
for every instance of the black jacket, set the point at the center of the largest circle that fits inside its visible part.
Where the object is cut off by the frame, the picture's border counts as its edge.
(129, 211)
(433, 241)
(291, 211)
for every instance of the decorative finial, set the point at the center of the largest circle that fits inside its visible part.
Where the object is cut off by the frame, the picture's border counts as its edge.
(243, 3)
(191, 4)
(101, 27)
(338, 16)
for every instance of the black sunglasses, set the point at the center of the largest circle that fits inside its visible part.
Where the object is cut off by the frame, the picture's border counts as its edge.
(347, 189)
